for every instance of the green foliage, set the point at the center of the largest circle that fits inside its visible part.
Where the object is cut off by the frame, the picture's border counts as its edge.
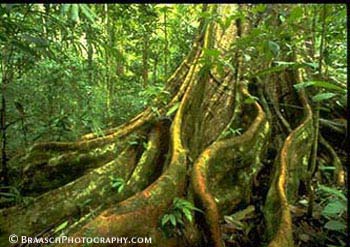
(117, 183)
(173, 222)
(232, 132)
(323, 96)
(272, 48)
(319, 84)
(9, 194)
(329, 191)
(61, 226)
(76, 68)
(326, 87)
(336, 225)
(335, 208)
(73, 12)
(250, 100)
(173, 109)
(237, 220)
(153, 91)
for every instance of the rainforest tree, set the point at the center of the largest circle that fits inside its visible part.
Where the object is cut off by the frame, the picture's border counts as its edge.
(239, 127)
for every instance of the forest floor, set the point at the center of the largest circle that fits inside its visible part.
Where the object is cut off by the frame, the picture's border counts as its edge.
(247, 227)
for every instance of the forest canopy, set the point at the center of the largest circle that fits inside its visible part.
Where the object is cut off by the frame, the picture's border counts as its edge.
(192, 124)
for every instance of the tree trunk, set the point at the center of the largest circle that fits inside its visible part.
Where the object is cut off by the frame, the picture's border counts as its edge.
(196, 153)
(165, 44)
(145, 61)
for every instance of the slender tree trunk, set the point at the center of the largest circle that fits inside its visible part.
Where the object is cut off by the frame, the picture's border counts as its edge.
(155, 67)
(4, 171)
(7, 75)
(108, 62)
(90, 56)
(165, 45)
(145, 61)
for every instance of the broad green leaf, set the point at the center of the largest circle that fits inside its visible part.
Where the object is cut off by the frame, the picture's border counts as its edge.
(165, 219)
(172, 219)
(187, 214)
(75, 13)
(335, 225)
(179, 220)
(87, 12)
(321, 84)
(303, 85)
(327, 168)
(333, 208)
(121, 187)
(332, 191)
(198, 210)
(173, 109)
(282, 18)
(328, 85)
(133, 142)
(61, 226)
(323, 96)
(304, 202)
(116, 184)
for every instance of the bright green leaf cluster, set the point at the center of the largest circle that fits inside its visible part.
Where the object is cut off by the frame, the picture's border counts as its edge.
(335, 208)
(117, 183)
(180, 210)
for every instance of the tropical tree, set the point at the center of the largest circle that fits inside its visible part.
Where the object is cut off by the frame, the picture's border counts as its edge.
(236, 107)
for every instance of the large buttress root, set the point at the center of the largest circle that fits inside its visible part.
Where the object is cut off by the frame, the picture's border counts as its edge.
(42, 168)
(254, 137)
(291, 166)
(87, 193)
(140, 214)
(67, 201)
(196, 153)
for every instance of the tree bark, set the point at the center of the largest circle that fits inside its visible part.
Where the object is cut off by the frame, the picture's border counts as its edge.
(190, 153)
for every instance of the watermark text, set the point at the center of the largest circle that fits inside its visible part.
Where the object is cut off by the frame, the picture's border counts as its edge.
(13, 239)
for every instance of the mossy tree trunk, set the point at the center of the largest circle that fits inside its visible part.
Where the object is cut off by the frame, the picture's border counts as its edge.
(185, 148)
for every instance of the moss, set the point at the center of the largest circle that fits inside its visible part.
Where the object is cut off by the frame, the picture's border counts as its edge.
(290, 168)
(65, 202)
